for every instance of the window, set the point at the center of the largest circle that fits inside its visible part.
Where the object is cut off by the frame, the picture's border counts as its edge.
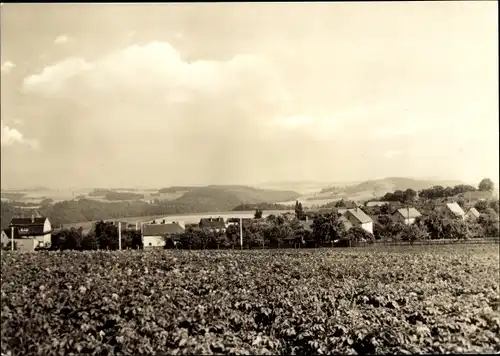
(150, 244)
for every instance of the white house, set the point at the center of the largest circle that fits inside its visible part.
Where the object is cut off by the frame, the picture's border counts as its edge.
(406, 215)
(38, 229)
(358, 217)
(472, 214)
(153, 235)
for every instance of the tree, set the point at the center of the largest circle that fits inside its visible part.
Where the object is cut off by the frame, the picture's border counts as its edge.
(299, 211)
(494, 204)
(89, 242)
(434, 225)
(258, 214)
(328, 227)
(233, 234)
(481, 206)
(107, 235)
(358, 234)
(409, 195)
(486, 185)
(456, 229)
(415, 232)
(396, 230)
(72, 240)
(475, 229)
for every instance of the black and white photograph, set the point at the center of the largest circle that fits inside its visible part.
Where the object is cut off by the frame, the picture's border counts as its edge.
(250, 178)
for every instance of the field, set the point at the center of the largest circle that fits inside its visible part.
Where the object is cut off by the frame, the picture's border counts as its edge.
(378, 300)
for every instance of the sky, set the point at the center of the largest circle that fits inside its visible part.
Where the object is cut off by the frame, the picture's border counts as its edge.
(128, 95)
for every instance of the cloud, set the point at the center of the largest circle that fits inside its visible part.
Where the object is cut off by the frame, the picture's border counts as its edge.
(61, 39)
(7, 66)
(11, 136)
(145, 101)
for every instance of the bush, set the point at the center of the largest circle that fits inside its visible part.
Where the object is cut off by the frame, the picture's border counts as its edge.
(415, 232)
(358, 234)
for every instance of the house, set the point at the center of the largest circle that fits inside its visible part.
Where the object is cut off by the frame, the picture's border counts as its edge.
(153, 235)
(406, 216)
(472, 214)
(453, 211)
(358, 217)
(214, 224)
(37, 230)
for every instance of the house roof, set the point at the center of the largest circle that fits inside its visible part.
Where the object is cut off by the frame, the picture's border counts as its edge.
(474, 212)
(161, 229)
(28, 226)
(212, 223)
(28, 221)
(360, 215)
(455, 209)
(409, 213)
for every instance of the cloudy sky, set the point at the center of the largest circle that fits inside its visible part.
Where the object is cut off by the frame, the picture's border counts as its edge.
(156, 95)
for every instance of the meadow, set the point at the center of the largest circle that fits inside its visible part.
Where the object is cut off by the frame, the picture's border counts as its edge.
(425, 299)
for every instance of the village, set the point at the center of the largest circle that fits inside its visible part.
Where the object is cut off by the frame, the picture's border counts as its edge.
(36, 232)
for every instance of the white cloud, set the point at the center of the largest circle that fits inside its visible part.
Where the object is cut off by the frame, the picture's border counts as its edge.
(52, 79)
(157, 71)
(11, 136)
(7, 66)
(185, 109)
(61, 39)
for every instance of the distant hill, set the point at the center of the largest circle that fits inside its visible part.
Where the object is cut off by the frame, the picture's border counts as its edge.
(221, 198)
(303, 187)
(376, 188)
(396, 183)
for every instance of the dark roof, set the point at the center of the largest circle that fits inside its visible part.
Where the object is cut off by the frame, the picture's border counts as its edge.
(28, 226)
(27, 221)
(212, 223)
(162, 229)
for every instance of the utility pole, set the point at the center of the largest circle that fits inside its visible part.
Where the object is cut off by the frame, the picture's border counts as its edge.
(119, 235)
(12, 238)
(241, 233)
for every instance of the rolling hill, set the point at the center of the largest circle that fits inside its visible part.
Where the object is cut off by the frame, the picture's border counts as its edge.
(221, 198)
(373, 188)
